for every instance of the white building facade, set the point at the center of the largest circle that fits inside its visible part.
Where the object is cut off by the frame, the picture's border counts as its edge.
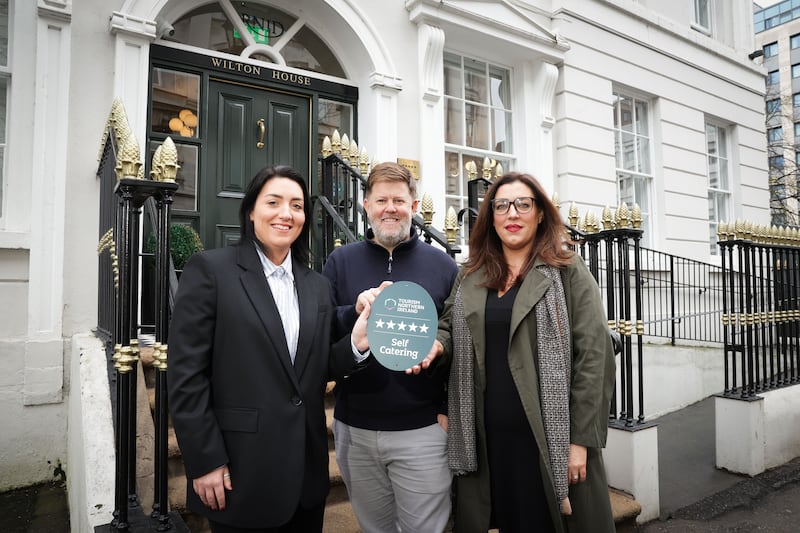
(603, 100)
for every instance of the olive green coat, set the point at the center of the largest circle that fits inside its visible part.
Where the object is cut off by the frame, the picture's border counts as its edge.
(590, 392)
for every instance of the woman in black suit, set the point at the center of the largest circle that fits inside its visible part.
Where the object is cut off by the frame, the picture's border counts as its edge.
(249, 356)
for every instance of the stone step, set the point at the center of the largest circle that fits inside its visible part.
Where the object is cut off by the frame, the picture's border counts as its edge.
(625, 509)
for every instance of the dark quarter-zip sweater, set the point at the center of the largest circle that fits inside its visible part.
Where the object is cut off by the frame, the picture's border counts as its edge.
(375, 397)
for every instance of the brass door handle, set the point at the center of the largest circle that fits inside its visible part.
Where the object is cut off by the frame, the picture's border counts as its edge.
(262, 129)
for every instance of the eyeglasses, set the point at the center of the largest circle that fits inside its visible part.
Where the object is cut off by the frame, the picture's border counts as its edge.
(523, 204)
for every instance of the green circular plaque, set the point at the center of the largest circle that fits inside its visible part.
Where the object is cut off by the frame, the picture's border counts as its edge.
(402, 325)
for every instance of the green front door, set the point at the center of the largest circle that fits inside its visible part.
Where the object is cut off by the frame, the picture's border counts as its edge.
(249, 127)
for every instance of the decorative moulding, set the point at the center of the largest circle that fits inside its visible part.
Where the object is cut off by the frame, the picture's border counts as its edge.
(55, 9)
(132, 25)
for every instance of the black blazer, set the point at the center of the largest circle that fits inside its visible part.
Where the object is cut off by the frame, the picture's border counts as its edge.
(235, 397)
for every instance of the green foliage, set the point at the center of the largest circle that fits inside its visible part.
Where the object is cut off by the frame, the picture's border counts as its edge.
(184, 242)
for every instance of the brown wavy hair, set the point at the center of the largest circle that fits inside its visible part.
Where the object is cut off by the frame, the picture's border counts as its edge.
(486, 248)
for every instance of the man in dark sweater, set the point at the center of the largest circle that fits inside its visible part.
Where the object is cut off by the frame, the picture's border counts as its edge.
(390, 427)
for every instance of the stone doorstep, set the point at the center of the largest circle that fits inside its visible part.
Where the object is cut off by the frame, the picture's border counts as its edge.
(623, 506)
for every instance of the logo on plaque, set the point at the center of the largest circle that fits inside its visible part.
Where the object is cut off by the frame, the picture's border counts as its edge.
(402, 325)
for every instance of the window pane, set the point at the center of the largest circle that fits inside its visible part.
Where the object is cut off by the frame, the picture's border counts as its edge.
(642, 125)
(477, 126)
(643, 152)
(454, 170)
(475, 87)
(625, 113)
(501, 91)
(711, 139)
(175, 103)
(3, 32)
(454, 121)
(701, 13)
(307, 51)
(501, 131)
(186, 195)
(3, 85)
(628, 152)
(452, 76)
(333, 116)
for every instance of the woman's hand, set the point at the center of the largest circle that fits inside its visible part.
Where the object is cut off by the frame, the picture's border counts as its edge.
(212, 486)
(359, 334)
(436, 351)
(576, 467)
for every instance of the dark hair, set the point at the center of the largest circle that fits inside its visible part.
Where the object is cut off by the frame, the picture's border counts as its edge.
(300, 247)
(486, 248)
(391, 172)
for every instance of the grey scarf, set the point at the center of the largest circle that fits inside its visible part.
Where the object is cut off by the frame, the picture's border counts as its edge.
(555, 357)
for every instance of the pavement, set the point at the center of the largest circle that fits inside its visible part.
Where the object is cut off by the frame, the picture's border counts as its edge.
(696, 497)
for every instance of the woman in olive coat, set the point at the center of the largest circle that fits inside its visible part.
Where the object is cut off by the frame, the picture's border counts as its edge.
(529, 391)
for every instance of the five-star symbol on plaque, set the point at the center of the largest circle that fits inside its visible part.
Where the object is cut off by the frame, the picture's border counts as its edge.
(401, 326)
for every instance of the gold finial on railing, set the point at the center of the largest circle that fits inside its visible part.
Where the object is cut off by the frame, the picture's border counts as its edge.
(336, 141)
(472, 170)
(353, 153)
(155, 165)
(373, 163)
(738, 229)
(573, 216)
(169, 161)
(451, 225)
(345, 148)
(623, 215)
(608, 221)
(337, 243)
(636, 216)
(363, 162)
(748, 230)
(426, 208)
(722, 231)
(769, 234)
(128, 159)
(591, 222)
(555, 199)
(327, 148)
(487, 168)
(498, 171)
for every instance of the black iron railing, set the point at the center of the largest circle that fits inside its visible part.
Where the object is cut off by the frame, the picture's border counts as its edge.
(614, 259)
(341, 218)
(760, 315)
(118, 312)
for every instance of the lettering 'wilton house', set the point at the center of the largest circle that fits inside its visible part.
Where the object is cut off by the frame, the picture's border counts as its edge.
(647, 102)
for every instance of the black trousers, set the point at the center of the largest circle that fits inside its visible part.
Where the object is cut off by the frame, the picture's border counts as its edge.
(303, 521)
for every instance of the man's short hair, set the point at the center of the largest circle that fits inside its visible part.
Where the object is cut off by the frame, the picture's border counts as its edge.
(391, 172)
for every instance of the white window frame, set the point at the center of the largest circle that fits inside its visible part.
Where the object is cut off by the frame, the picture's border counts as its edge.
(458, 154)
(718, 192)
(641, 170)
(702, 9)
(5, 75)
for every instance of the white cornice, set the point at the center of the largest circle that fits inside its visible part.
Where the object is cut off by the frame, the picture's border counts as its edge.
(387, 81)
(131, 25)
(55, 9)
(505, 20)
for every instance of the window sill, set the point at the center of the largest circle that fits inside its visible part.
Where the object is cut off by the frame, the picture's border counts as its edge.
(14, 240)
(702, 29)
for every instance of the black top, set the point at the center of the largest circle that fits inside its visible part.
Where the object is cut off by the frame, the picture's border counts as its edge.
(519, 503)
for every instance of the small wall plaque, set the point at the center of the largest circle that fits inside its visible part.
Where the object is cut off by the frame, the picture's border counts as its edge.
(411, 164)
